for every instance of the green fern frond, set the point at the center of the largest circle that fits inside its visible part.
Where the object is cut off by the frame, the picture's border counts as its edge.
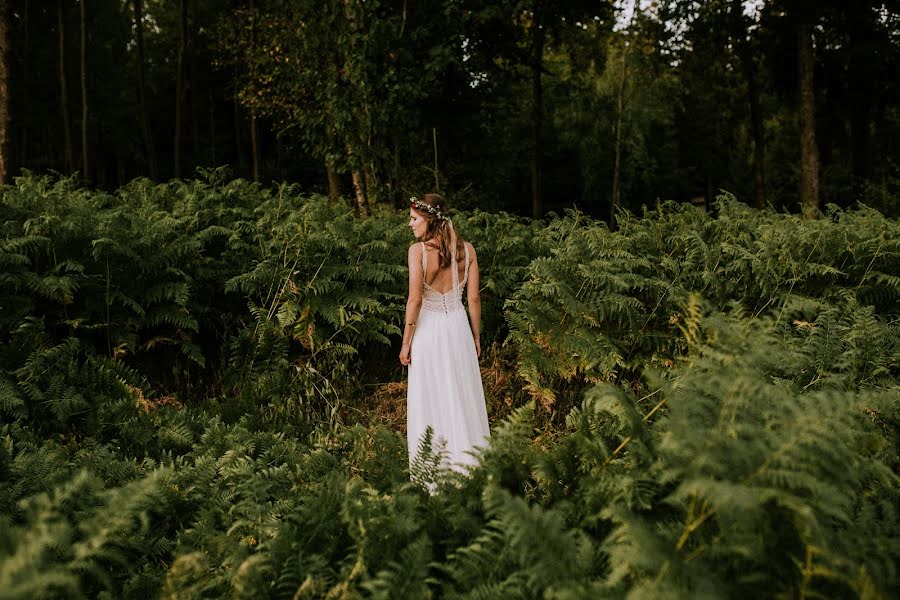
(11, 402)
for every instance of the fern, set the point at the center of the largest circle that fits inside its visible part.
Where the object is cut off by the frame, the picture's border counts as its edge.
(425, 469)
(11, 402)
(406, 577)
(698, 404)
(70, 546)
(754, 462)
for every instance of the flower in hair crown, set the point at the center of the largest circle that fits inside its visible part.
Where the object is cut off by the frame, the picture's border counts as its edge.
(422, 205)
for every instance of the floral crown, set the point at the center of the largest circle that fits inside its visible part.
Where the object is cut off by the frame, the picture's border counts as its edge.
(422, 205)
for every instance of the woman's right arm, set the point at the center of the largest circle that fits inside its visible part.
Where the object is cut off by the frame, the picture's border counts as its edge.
(413, 300)
(473, 299)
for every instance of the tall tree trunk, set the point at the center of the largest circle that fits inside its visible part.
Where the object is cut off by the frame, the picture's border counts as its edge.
(254, 134)
(212, 128)
(616, 200)
(254, 146)
(359, 184)
(85, 158)
(24, 146)
(149, 151)
(759, 140)
(864, 94)
(179, 85)
(394, 182)
(372, 185)
(537, 67)
(4, 92)
(239, 139)
(279, 157)
(349, 68)
(746, 54)
(437, 173)
(809, 153)
(64, 88)
(194, 92)
(334, 182)
(359, 190)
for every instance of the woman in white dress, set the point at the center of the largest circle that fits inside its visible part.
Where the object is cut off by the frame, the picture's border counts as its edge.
(440, 345)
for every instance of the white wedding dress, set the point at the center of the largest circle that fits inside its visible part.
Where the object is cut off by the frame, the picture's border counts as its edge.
(445, 391)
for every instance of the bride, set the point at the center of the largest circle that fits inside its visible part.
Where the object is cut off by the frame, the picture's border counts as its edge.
(440, 345)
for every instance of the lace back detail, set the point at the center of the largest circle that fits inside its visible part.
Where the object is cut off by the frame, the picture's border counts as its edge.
(435, 301)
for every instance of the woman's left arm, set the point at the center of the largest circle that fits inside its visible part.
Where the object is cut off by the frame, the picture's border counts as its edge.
(474, 300)
(413, 301)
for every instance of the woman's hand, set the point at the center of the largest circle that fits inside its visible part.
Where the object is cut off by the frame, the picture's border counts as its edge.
(477, 347)
(405, 358)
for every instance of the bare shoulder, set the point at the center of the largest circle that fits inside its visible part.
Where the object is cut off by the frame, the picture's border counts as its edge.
(471, 248)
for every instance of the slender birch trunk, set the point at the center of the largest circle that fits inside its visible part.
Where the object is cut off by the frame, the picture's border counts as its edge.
(354, 159)
(616, 200)
(359, 183)
(359, 189)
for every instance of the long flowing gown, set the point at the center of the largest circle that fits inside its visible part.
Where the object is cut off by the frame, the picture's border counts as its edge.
(445, 390)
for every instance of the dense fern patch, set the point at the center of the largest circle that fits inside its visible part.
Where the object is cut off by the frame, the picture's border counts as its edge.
(698, 405)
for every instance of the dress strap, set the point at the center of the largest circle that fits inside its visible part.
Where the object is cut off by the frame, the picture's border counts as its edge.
(454, 268)
(424, 262)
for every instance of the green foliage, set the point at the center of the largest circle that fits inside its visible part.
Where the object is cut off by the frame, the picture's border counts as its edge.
(63, 387)
(324, 287)
(82, 539)
(768, 485)
(505, 245)
(605, 305)
(724, 410)
(273, 297)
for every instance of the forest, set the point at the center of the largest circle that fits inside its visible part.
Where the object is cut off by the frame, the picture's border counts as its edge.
(687, 219)
(527, 106)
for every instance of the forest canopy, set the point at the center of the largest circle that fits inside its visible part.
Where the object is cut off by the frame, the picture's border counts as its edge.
(523, 105)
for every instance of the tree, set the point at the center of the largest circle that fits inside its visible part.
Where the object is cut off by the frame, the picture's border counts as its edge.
(715, 52)
(538, 37)
(4, 92)
(747, 48)
(548, 18)
(857, 54)
(149, 150)
(343, 79)
(179, 85)
(85, 159)
(616, 200)
(64, 88)
(809, 151)
(254, 133)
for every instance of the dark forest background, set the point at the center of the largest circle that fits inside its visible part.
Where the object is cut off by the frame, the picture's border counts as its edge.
(522, 105)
